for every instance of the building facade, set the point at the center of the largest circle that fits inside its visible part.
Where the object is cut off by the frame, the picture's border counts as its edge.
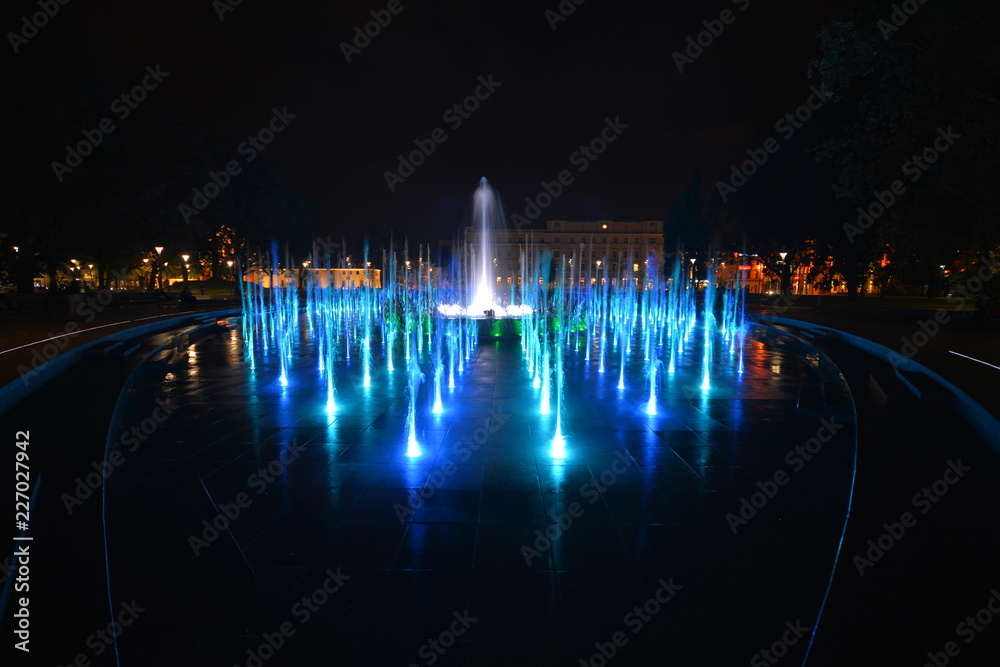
(595, 251)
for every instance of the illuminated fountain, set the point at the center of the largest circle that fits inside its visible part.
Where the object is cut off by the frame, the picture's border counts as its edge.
(481, 298)
(650, 340)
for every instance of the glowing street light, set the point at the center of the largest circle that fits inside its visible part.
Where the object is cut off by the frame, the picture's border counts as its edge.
(157, 274)
(185, 258)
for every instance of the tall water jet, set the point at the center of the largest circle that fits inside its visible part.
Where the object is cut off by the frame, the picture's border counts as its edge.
(561, 339)
(367, 316)
(651, 401)
(481, 294)
(415, 377)
(483, 297)
(391, 324)
(437, 354)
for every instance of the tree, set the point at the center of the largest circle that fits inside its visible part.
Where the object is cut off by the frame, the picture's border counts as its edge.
(910, 85)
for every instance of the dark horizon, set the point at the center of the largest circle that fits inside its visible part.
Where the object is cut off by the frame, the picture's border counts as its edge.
(556, 90)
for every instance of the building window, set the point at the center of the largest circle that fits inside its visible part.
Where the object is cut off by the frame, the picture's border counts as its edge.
(555, 240)
(572, 240)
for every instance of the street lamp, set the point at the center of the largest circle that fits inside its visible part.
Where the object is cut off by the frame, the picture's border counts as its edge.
(159, 252)
(782, 271)
(185, 258)
(229, 263)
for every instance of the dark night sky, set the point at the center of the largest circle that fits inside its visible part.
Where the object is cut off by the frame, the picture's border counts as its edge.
(606, 60)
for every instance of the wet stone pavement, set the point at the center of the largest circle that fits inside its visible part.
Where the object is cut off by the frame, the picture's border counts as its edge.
(255, 527)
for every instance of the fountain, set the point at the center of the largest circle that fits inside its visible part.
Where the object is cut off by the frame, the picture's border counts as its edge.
(481, 298)
(647, 339)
